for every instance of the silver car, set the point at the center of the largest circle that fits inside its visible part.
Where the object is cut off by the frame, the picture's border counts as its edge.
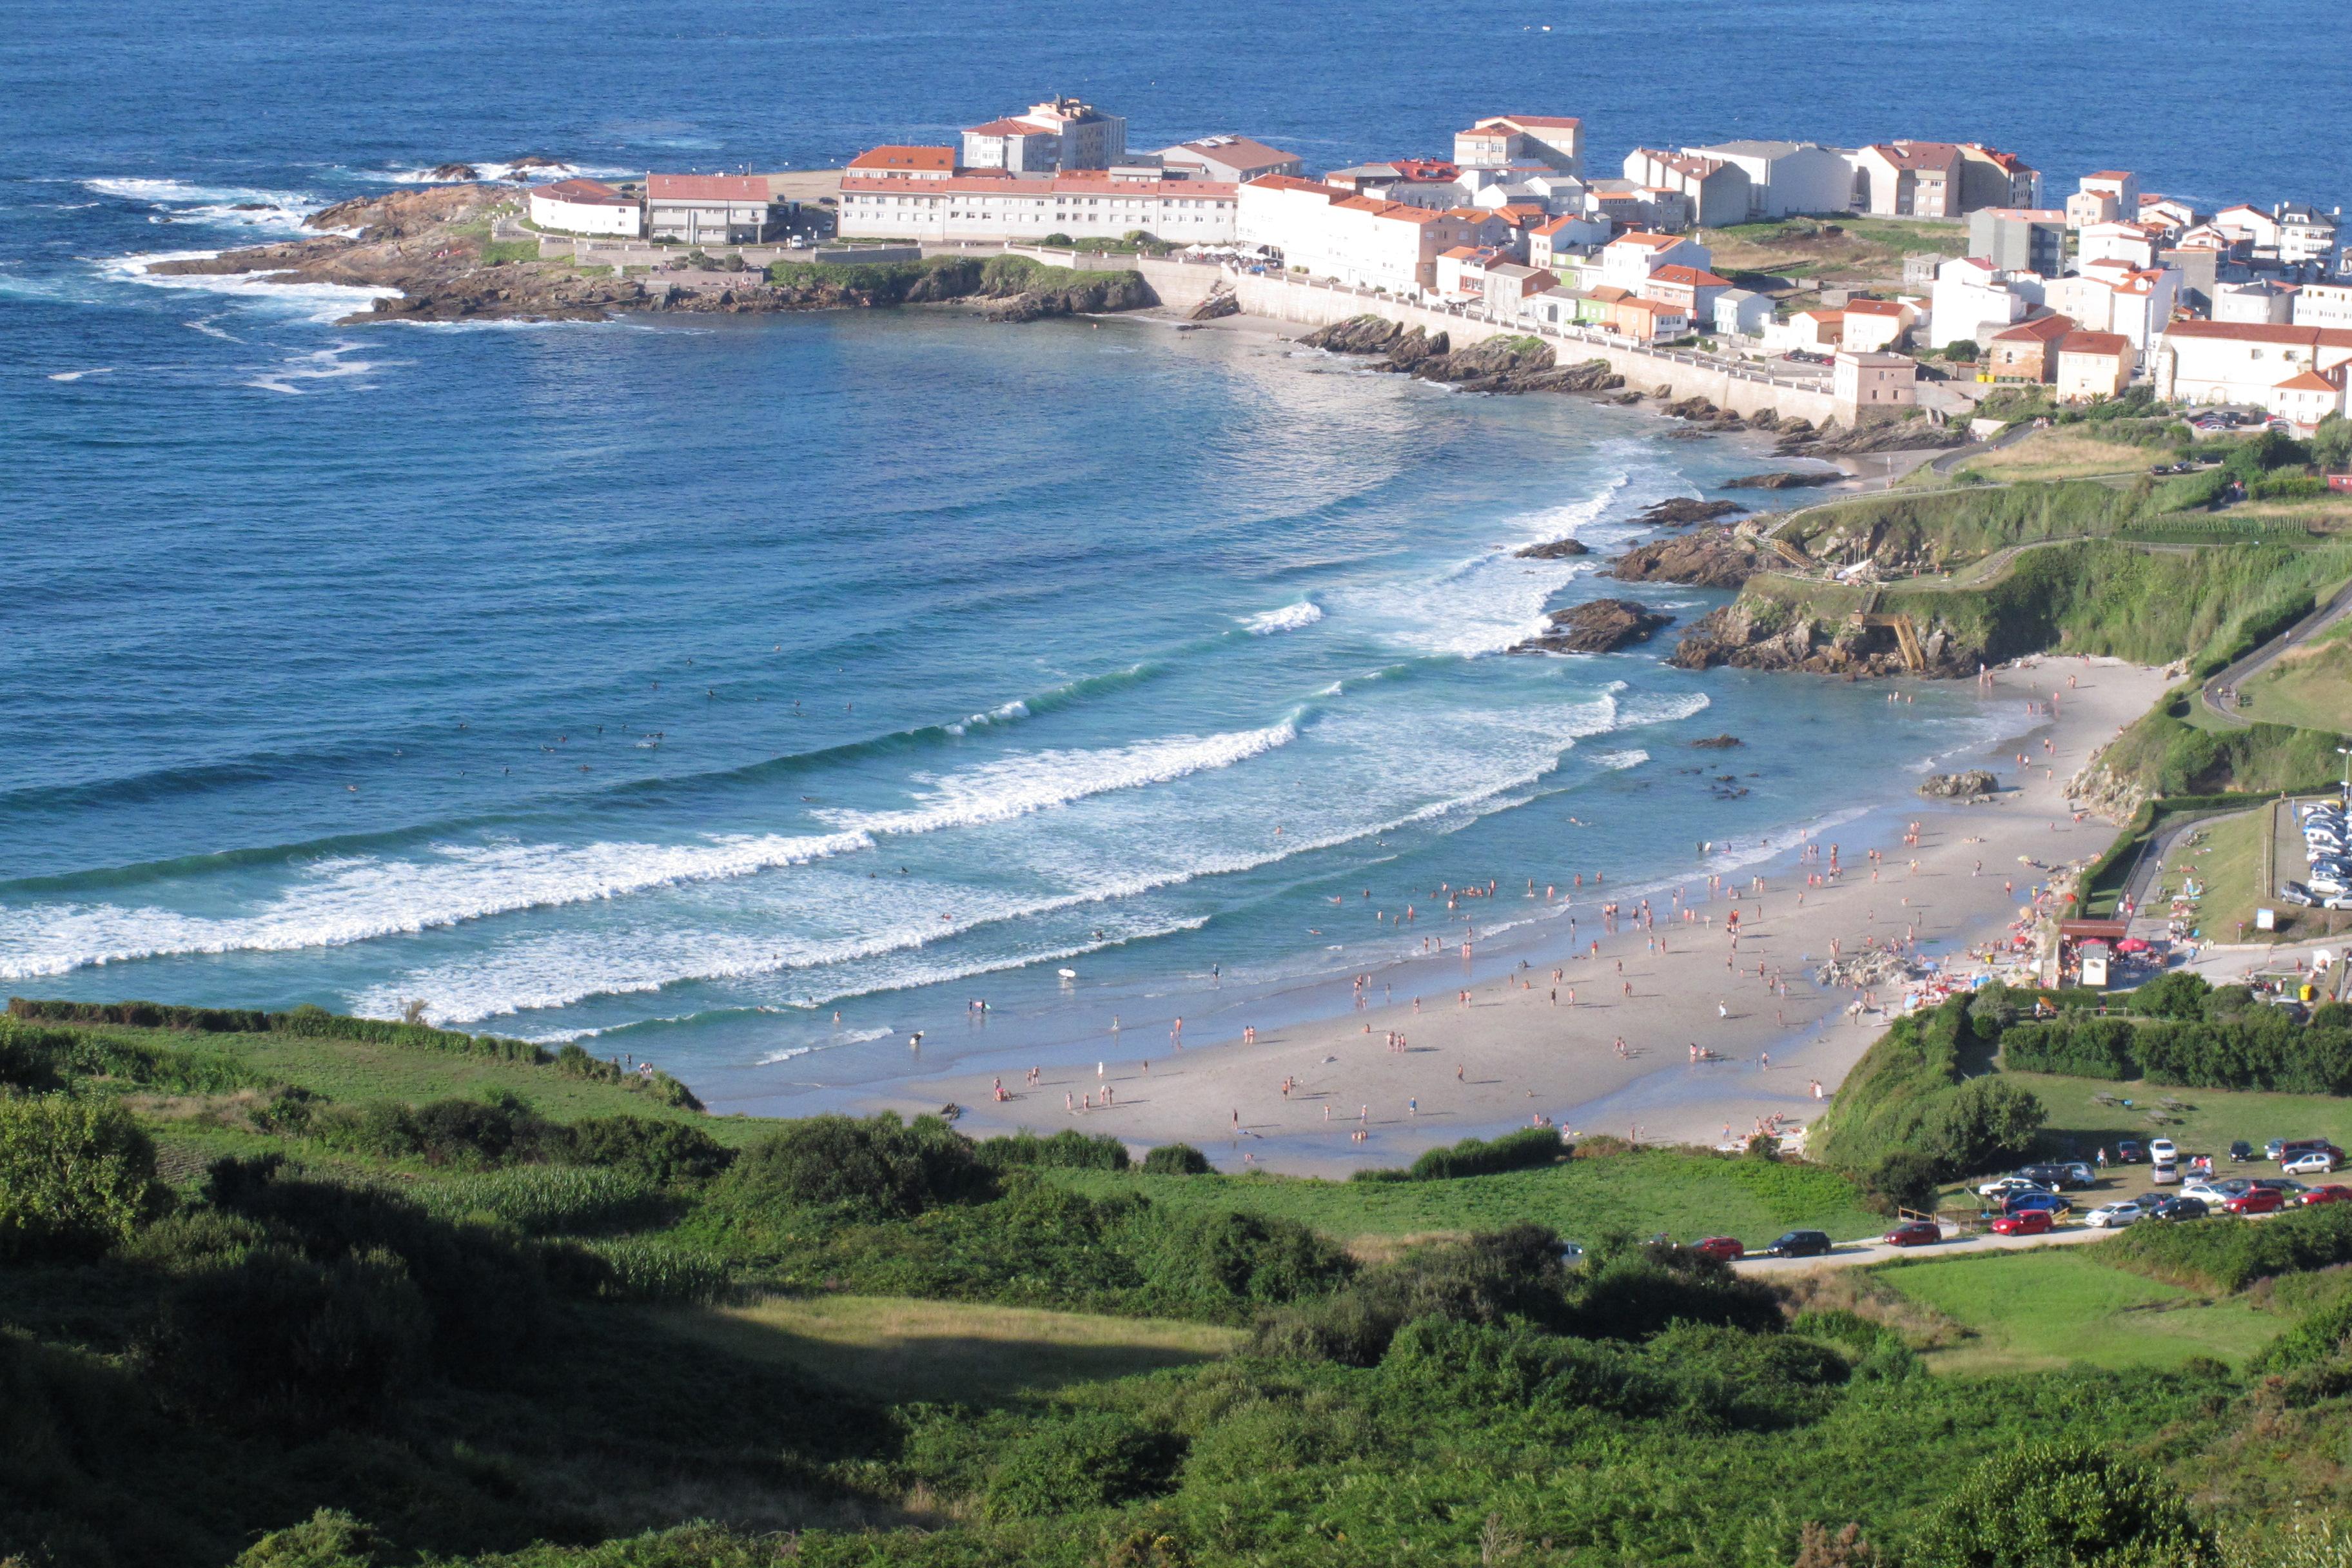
(2115, 1216)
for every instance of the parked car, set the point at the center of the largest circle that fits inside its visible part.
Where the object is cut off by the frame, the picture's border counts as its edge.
(2318, 1163)
(2115, 1216)
(2057, 1176)
(2289, 1148)
(2297, 894)
(2333, 1192)
(2165, 1206)
(2255, 1200)
(1915, 1232)
(2241, 1150)
(2216, 1192)
(2034, 1222)
(2162, 1151)
(2165, 1175)
(2036, 1203)
(1723, 1247)
(1800, 1244)
(2282, 1186)
(2131, 1152)
(2007, 1185)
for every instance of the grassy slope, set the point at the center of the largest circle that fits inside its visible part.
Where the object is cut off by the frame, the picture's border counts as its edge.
(901, 1350)
(1684, 1195)
(2073, 452)
(2208, 1120)
(2058, 1307)
(2310, 687)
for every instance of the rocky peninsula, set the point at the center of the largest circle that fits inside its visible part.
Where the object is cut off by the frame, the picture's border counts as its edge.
(435, 245)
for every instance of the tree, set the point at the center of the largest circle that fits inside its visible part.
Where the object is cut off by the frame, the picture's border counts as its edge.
(2181, 994)
(1984, 1122)
(2331, 444)
(75, 1178)
(2065, 1505)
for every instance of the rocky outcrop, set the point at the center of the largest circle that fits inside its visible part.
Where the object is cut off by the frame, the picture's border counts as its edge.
(1097, 292)
(1222, 302)
(1699, 411)
(1862, 971)
(1718, 742)
(454, 173)
(1553, 550)
(1355, 335)
(1787, 479)
(1601, 626)
(1879, 435)
(1683, 511)
(1718, 558)
(1965, 786)
(1501, 364)
(1755, 632)
(537, 161)
(2105, 793)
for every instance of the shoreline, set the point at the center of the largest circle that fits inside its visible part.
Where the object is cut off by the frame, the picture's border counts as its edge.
(1511, 1053)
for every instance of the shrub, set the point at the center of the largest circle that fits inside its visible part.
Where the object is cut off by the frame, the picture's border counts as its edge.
(1068, 1150)
(663, 1151)
(1176, 1160)
(2065, 1502)
(878, 1167)
(2229, 1253)
(1216, 1260)
(2179, 994)
(328, 1538)
(1082, 1461)
(1525, 1149)
(553, 1200)
(650, 1271)
(75, 1178)
(1905, 1179)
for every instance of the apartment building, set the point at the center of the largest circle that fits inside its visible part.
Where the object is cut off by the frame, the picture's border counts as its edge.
(999, 206)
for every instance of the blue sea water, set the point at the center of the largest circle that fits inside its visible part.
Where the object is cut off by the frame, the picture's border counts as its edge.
(690, 683)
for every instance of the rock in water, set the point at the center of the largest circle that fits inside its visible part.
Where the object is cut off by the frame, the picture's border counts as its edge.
(1966, 786)
(1557, 550)
(1682, 510)
(1602, 625)
(1719, 743)
(1355, 335)
(537, 161)
(1714, 559)
(1782, 481)
(454, 173)
(1222, 301)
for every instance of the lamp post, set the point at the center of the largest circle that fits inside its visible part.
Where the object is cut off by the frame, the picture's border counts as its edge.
(2345, 752)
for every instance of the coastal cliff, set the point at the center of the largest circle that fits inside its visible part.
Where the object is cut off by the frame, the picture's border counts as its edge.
(433, 244)
(1508, 364)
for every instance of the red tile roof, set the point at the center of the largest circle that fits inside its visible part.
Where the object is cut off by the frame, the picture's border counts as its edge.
(2106, 345)
(1008, 128)
(2263, 333)
(706, 188)
(1647, 241)
(1293, 182)
(990, 182)
(2041, 329)
(2309, 381)
(1873, 307)
(1542, 122)
(1690, 275)
(895, 157)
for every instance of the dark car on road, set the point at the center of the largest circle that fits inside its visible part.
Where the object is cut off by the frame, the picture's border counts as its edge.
(2163, 1206)
(2036, 1203)
(1917, 1233)
(1801, 1244)
(2241, 1150)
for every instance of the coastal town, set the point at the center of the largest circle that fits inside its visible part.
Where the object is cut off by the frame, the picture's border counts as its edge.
(2107, 288)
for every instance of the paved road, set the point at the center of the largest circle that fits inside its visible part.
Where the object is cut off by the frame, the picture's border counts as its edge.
(2263, 658)
(1854, 1254)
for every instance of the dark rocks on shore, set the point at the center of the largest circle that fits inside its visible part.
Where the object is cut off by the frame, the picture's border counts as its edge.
(1877, 435)
(1601, 625)
(1099, 292)
(1716, 558)
(1503, 364)
(1683, 511)
(1967, 785)
(1554, 549)
(1222, 302)
(537, 161)
(1718, 742)
(454, 173)
(1758, 633)
(1786, 479)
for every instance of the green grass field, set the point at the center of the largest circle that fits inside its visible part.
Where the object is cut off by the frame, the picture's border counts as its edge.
(2206, 1121)
(2225, 857)
(2074, 452)
(2029, 1312)
(946, 1351)
(2310, 687)
(1685, 1196)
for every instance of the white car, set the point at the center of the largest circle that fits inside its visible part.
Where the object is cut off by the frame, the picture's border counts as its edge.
(2214, 1195)
(2319, 1162)
(2007, 1185)
(2112, 1216)
(2165, 1175)
(2163, 1151)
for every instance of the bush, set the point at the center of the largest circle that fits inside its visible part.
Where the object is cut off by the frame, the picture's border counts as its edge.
(1215, 1261)
(878, 1167)
(75, 1178)
(1905, 1179)
(663, 1151)
(1068, 1150)
(553, 1200)
(1082, 1461)
(2179, 994)
(1523, 1150)
(328, 1538)
(2065, 1502)
(1176, 1160)
(2229, 1253)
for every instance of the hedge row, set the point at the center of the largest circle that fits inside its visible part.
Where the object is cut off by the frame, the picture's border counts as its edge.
(2262, 1049)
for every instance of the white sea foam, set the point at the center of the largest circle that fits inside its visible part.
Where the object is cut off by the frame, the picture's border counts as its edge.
(323, 365)
(497, 169)
(1027, 781)
(1005, 714)
(1288, 618)
(325, 302)
(237, 206)
(77, 375)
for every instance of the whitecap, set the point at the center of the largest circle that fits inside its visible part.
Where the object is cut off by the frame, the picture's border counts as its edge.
(77, 375)
(1288, 618)
(323, 302)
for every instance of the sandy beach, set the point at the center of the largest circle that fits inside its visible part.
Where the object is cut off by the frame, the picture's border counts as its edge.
(1429, 1057)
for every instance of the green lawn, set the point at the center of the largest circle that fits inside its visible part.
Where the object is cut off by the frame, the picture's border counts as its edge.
(2310, 687)
(2207, 1119)
(946, 1351)
(2062, 1305)
(2225, 856)
(1685, 1196)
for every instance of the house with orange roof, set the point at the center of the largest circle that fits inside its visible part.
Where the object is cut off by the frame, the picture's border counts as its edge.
(587, 207)
(1815, 332)
(713, 209)
(1873, 325)
(1058, 135)
(2104, 197)
(2305, 398)
(2092, 366)
(895, 163)
(1694, 288)
(1651, 321)
(2235, 361)
(2132, 242)
(993, 205)
(2027, 352)
(1362, 240)
(1628, 261)
(1500, 140)
(1991, 178)
(1549, 244)
(1908, 179)
(1720, 191)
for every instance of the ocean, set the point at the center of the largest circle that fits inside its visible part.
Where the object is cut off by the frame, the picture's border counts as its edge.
(748, 695)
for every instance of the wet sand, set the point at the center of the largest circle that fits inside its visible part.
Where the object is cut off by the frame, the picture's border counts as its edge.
(1513, 1053)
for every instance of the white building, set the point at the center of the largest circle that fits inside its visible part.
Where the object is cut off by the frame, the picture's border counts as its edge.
(1060, 134)
(2248, 226)
(1002, 206)
(1872, 325)
(1741, 312)
(2134, 243)
(1972, 297)
(1501, 139)
(1550, 241)
(2227, 361)
(1864, 383)
(1720, 191)
(2324, 305)
(2117, 297)
(1627, 261)
(2303, 400)
(2106, 197)
(1234, 159)
(711, 209)
(1786, 177)
(587, 207)
(900, 163)
(2259, 303)
(2306, 234)
(1361, 240)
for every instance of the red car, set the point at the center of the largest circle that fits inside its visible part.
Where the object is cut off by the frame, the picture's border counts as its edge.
(2332, 1194)
(2255, 1200)
(1725, 1247)
(1919, 1233)
(2032, 1222)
